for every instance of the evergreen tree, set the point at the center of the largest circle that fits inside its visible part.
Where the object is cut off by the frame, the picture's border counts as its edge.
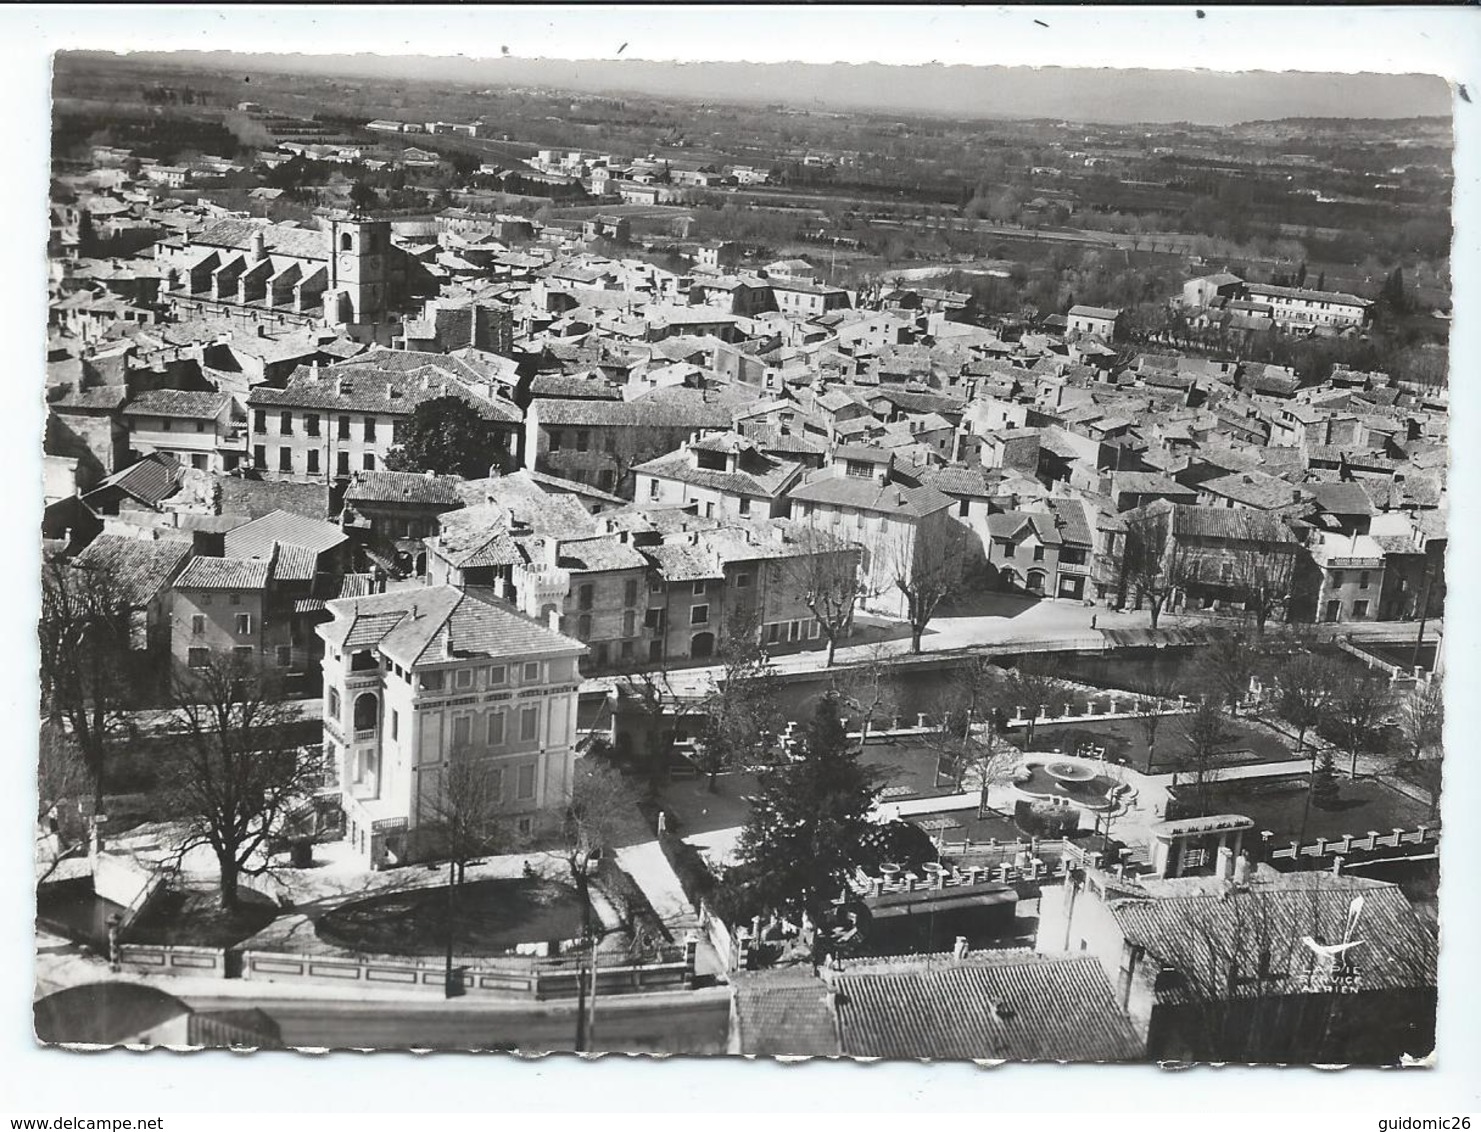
(363, 196)
(448, 436)
(1324, 792)
(1321, 281)
(1392, 297)
(806, 833)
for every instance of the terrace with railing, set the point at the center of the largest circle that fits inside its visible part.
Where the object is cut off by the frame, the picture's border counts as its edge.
(966, 864)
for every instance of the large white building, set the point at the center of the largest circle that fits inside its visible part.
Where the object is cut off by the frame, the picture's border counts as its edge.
(332, 422)
(1298, 308)
(414, 676)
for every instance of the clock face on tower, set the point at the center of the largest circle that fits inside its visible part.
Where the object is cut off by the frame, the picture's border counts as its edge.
(346, 261)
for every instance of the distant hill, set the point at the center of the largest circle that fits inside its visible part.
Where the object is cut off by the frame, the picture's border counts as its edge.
(1078, 94)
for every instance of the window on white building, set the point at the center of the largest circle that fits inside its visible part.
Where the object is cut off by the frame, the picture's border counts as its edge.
(531, 671)
(462, 732)
(524, 789)
(495, 727)
(529, 724)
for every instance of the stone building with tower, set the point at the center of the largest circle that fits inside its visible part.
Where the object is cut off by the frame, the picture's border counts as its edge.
(346, 275)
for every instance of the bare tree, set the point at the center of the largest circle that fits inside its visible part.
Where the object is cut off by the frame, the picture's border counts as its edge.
(664, 708)
(928, 569)
(1261, 576)
(1225, 668)
(239, 777)
(1306, 685)
(869, 688)
(1207, 734)
(464, 815)
(61, 777)
(1422, 719)
(826, 577)
(967, 748)
(1358, 710)
(1151, 564)
(584, 830)
(466, 812)
(1150, 709)
(741, 716)
(638, 444)
(86, 671)
(1032, 685)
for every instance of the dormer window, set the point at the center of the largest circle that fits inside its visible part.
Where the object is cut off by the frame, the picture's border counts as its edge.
(713, 461)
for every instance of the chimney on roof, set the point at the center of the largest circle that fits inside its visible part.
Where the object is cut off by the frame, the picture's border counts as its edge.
(448, 651)
(430, 474)
(1242, 869)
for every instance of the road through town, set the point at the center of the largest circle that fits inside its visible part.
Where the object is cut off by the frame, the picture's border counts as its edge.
(694, 1023)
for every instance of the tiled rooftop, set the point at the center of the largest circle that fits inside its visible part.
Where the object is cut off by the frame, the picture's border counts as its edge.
(224, 574)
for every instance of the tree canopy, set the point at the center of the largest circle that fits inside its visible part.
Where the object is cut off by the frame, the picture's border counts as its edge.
(448, 436)
(808, 824)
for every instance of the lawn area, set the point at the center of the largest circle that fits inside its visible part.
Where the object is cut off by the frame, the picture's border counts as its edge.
(193, 917)
(1127, 739)
(492, 918)
(906, 770)
(960, 824)
(693, 808)
(1277, 804)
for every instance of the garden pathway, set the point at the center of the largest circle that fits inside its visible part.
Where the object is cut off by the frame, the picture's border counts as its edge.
(650, 869)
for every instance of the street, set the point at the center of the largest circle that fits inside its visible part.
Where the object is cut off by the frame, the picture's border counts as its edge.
(647, 1024)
